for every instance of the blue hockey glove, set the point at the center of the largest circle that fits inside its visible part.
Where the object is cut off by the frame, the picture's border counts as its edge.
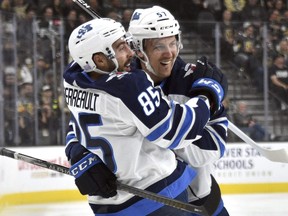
(209, 81)
(93, 177)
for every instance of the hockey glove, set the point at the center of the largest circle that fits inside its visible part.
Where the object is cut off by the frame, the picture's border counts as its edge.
(209, 81)
(93, 177)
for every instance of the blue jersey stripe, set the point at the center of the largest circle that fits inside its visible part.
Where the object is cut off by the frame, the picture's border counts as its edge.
(145, 206)
(188, 120)
(163, 128)
(70, 136)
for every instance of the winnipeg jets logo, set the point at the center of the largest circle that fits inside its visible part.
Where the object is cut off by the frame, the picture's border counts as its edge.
(83, 30)
(118, 75)
(136, 16)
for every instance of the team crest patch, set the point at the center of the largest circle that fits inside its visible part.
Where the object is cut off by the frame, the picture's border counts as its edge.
(83, 30)
(136, 16)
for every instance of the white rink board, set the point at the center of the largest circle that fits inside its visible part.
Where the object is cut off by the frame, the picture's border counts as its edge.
(18, 176)
(241, 164)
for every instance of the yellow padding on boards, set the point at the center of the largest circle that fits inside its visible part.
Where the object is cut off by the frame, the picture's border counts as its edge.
(254, 188)
(41, 197)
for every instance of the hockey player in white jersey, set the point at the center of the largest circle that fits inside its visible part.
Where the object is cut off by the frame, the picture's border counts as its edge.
(157, 36)
(125, 126)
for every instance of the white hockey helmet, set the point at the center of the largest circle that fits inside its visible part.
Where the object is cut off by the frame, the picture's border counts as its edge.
(95, 36)
(154, 22)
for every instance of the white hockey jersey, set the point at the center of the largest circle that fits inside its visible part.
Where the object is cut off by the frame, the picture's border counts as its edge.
(115, 117)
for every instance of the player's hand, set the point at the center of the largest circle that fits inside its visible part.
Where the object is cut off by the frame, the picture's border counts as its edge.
(209, 81)
(93, 177)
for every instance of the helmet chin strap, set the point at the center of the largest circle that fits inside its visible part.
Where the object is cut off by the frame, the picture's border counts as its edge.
(146, 62)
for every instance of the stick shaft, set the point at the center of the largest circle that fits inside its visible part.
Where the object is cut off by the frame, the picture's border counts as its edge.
(87, 8)
(279, 155)
(135, 191)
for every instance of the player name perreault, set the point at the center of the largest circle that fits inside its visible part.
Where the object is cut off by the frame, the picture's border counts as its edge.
(81, 99)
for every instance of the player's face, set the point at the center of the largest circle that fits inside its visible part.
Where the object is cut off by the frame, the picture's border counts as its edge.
(123, 53)
(162, 53)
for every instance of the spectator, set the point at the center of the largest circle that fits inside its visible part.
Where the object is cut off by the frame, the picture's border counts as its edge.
(253, 12)
(19, 7)
(274, 27)
(247, 49)
(83, 17)
(46, 33)
(112, 14)
(126, 16)
(236, 7)
(6, 8)
(25, 74)
(269, 5)
(245, 121)
(42, 70)
(9, 97)
(57, 8)
(46, 18)
(282, 48)
(48, 120)
(278, 74)
(69, 5)
(227, 29)
(284, 24)
(215, 7)
(26, 110)
(280, 6)
(70, 23)
(8, 49)
(25, 31)
(97, 6)
(115, 5)
(42, 3)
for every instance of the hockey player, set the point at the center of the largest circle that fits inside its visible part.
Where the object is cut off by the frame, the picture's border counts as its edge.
(125, 126)
(157, 36)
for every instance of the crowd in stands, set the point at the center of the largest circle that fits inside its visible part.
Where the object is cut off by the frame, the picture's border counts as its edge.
(32, 99)
(241, 26)
(248, 28)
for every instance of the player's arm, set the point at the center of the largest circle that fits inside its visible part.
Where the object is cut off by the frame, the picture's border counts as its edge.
(92, 176)
(211, 145)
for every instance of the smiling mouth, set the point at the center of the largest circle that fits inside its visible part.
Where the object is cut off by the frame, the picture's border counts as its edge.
(165, 62)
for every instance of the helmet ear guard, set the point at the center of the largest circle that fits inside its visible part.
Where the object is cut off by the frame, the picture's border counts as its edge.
(95, 36)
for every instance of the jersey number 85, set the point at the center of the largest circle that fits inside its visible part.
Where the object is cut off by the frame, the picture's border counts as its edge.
(149, 100)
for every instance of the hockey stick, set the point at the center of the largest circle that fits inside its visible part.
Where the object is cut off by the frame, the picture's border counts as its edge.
(207, 209)
(86, 7)
(276, 155)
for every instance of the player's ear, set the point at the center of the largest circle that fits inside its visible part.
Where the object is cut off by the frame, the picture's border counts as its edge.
(99, 59)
